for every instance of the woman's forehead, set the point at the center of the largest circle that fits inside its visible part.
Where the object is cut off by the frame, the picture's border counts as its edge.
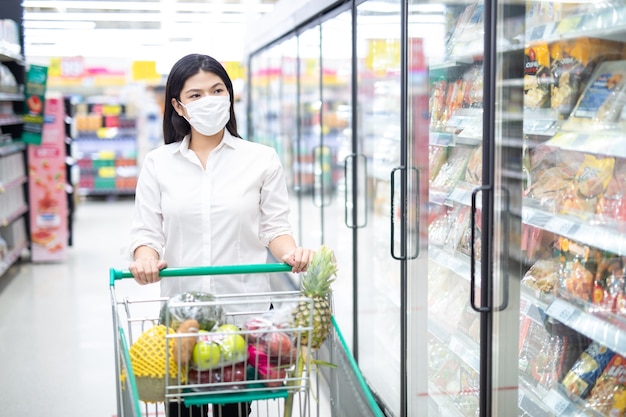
(201, 81)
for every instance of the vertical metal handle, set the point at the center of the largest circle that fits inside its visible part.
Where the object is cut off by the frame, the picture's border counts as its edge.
(392, 209)
(479, 309)
(416, 233)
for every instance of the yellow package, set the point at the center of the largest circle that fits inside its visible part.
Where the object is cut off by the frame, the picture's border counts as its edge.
(567, 64)
(537, 76)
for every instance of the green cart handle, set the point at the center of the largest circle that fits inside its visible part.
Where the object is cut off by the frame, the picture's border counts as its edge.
(117, 274)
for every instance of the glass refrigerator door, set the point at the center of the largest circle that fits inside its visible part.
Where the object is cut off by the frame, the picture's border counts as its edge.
(573, 293)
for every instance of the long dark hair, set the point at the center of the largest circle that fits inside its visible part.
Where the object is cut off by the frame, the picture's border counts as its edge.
(175, 127)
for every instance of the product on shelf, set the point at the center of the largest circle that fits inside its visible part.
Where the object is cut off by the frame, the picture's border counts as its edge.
(467, 400)
(437, 156)
(608, 395)
(466, 239)
(537, 76)
(602, 102)
(474, 171)
(437, 103)
(608, 292)
(543, 276)
(577, 271)
(453, 170)
(580, 380)
(612, 204)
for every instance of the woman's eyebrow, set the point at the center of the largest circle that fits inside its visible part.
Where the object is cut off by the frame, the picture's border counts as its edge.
(199, 90)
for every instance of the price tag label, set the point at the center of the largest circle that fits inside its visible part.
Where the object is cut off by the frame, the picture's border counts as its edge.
(562, 311)
(556, 402)
(458, 195)
(559, 226)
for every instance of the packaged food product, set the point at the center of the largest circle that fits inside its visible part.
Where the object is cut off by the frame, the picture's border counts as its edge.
(437, 103)
(567, 63)
(577, 270)
(612, 204)
(474, 171)
(437, 156)
(543, 276)
(608, 395)
(537, 76)
(603, 99)
(453, 169)
(580, 380)
(590, 181)
(545, 355)
(608, 283)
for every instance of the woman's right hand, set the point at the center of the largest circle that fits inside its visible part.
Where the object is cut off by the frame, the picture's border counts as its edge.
(146, 270)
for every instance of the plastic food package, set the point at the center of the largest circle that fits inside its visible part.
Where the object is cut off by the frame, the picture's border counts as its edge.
(543, 276)
(537, 76)
(580, 380)
(226, 377)
(608, 395)
(453, 170)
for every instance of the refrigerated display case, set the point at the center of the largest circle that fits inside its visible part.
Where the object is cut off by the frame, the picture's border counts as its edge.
(487, 165)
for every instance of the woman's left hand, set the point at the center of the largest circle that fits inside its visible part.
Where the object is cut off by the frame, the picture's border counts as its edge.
(299, 259)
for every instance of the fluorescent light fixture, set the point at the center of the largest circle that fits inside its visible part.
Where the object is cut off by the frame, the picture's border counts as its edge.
(51, 24)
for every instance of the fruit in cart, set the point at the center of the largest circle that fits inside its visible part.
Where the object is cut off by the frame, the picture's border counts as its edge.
(272, 375)
(206, 353)
(316, 283)
(227, 377)
(185, 344)
(187, 306)
(234, 347)
(278, 344)
(147, 357)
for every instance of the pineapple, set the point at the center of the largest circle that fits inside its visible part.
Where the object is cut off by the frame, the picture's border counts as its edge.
(147, 356)
(316, 285)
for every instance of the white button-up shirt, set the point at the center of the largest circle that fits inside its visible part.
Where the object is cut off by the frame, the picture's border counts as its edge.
(225, 214)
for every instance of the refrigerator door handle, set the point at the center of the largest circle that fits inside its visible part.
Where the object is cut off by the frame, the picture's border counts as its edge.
(403, 215)
(351, 170)
(416, 233)
(479, 309)
(392, 209)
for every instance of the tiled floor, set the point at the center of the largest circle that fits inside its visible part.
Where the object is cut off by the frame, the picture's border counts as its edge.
(56, 333)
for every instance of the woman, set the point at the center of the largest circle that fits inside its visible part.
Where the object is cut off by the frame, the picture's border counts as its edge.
(209, 197)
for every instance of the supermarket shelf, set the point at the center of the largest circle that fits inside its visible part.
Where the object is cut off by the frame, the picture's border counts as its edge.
(11, 148)
(11, 97)
(9, 219)
(458, 263)
(590, 325)
(572, 27)
(552, 402)
(12, 184)
(443, 402)
(9, 120)
(606, 142)
(462, 346)
(11, 257)
(599, 236)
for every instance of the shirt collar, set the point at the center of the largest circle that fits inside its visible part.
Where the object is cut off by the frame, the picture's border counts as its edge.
(228, 140)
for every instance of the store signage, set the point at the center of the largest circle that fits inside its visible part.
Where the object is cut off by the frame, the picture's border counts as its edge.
(35, 91)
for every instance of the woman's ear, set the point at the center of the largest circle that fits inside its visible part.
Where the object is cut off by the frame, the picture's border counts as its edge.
(178, 108)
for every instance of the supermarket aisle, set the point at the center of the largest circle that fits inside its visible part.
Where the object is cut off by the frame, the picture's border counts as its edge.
(56, 355)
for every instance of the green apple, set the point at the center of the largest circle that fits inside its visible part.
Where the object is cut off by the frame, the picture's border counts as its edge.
(206, 355)
(234, 347)
(225, 328)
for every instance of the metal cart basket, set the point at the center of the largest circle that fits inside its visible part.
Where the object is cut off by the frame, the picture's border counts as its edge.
(237, 376)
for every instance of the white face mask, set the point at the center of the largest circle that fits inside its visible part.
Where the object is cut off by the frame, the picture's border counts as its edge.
(209, 114)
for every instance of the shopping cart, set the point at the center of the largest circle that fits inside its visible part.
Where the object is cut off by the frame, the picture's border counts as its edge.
(338, 390)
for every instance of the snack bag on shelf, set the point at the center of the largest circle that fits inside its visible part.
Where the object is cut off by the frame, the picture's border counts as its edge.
(580, 380)
(608, 396)
(437, 103)
(467, 400)
(537, 76)
(439, 225)
(608, 286)
(474, 171)
(543, 276)
(602, 102)
(453, 169)
(464, 244)
(590, 181)
(612, 204)
(567, 63)
(473, 91)
(459, 222)
(531, 241)
(437, 156)
(577, 271)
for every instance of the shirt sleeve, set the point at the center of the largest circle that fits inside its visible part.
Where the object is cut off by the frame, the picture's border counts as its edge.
(147, 225)
(274, 203)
